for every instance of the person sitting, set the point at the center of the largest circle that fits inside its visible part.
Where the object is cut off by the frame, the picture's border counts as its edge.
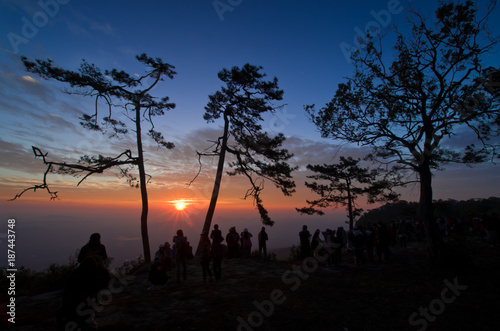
(158, 270)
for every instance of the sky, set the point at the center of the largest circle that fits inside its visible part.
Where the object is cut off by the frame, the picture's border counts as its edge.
(302, 43)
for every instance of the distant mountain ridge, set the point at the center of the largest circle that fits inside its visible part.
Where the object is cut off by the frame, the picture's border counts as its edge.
(404, 210)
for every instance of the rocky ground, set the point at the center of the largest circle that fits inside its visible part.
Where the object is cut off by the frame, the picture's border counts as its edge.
(406, 293)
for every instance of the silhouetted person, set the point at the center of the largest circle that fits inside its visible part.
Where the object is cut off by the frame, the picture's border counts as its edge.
(158, 271)
(402, 235)
(205, 257)
(263, 238)
(357, 238)
(233, 247)
(329, 237)
(181, 244)
(337, 245)
(216, 234)
(217, 251)
(491, 225)
(168, 262)
(93, 248)
(80, 295)
(315, 241)
(246, 243)
(305, 244)
(382, 237)
(370, 242)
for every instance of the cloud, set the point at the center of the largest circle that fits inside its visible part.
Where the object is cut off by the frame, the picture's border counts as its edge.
(29, 79)
(14, 87)
(462, 137)
(308, 151)
(15, 157)
(82, 24)
(105, 28)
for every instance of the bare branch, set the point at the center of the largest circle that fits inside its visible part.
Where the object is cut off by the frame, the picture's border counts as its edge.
(96, 165)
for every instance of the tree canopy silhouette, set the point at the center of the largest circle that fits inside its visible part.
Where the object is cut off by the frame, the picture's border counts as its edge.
(346, 181)
(256, 155)
(118, 90)
(411, 109)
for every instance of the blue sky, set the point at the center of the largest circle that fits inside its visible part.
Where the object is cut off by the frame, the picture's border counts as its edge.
(299, 42)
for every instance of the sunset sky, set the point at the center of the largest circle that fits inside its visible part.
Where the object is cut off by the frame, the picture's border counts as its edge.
(302, 43)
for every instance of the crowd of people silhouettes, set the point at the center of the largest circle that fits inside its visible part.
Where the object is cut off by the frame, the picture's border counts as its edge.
(369, 242)
(212, 250)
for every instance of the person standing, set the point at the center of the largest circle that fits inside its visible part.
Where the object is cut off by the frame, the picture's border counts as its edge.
(93, 248)
(181, 244)
(305, 244)
(246, 243)
(382, 236)
(205, 257)
(337, 245)
(315, 242)
(233, 247)
(216, 234)
(82, 286)
(217, 253)
(263, 237)
(357, 238)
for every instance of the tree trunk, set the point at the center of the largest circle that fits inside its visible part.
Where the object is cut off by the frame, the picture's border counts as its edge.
(349, 207)
(218, 179)
(426, 211)
(142, 183)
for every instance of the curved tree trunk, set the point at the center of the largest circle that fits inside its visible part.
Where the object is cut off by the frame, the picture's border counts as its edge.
(142, 183)
(218, 179)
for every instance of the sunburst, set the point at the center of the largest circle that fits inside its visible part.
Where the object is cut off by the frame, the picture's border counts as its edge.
(180, 205)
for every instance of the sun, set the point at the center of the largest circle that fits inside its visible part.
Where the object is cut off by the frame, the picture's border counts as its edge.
(179, 205)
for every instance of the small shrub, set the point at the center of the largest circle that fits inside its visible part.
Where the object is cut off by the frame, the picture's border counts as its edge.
(130, 267)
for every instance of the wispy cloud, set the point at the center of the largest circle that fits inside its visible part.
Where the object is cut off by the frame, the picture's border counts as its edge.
(30, 79)
(82, 24)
